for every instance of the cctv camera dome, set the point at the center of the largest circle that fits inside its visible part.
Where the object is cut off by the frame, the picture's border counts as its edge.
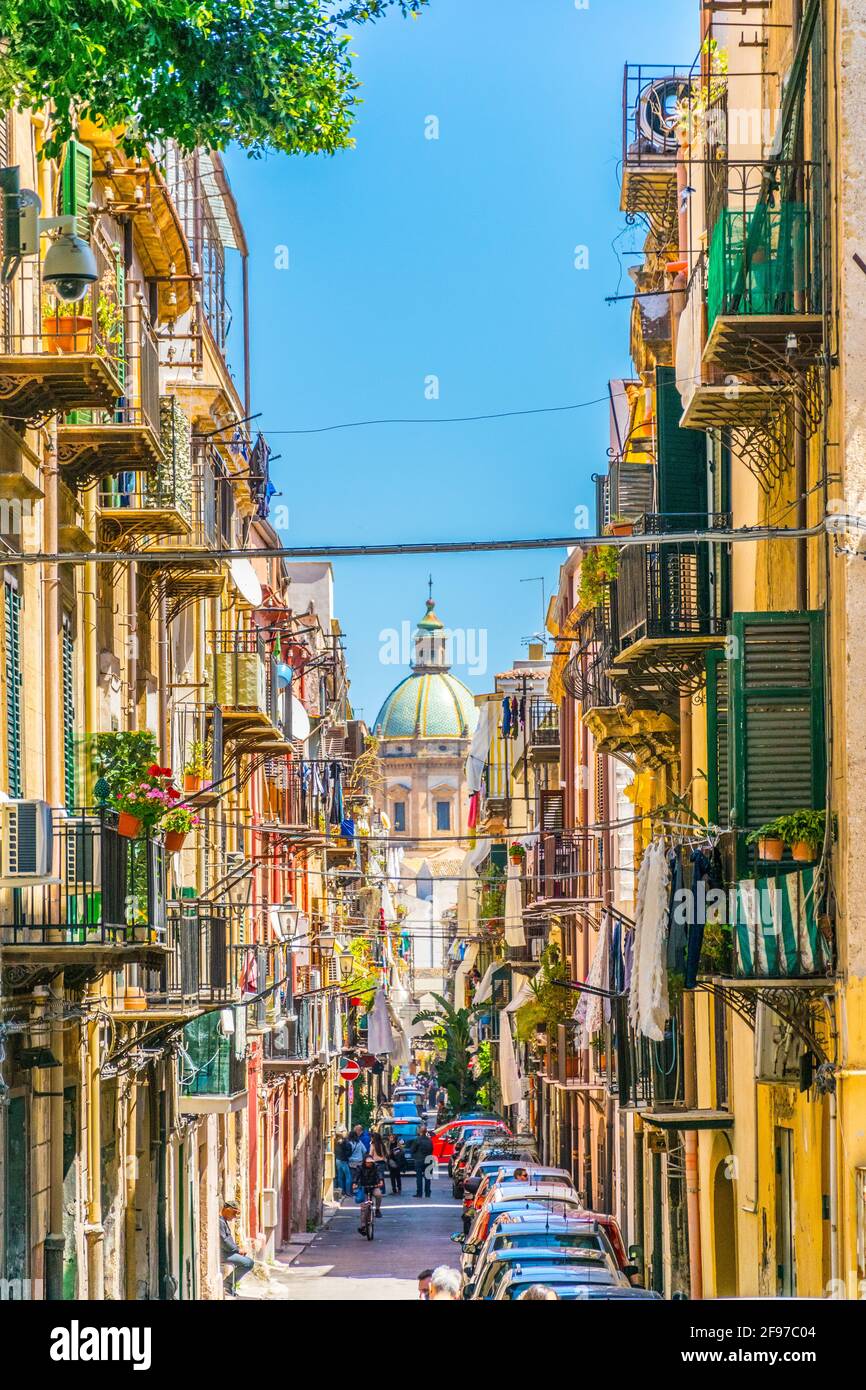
(70, 266)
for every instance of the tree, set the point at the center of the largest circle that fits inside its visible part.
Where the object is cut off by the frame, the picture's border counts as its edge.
(453, 1036)
(267, 74)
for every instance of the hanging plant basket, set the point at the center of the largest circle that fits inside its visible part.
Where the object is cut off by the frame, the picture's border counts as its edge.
(174, 840)
(128, 826)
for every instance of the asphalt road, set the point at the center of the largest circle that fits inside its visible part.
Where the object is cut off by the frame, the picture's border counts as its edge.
(339, 1264)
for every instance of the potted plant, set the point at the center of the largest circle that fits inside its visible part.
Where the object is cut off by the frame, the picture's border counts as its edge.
(142, 802)
(620, 526)
(771, 845)
(109, 320)
(598, 570)
(516, 852)
(194, 768)
(804, 831)
(64, 329)
(177, 823)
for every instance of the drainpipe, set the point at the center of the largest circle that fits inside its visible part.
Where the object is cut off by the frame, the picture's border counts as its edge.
(53, 743)
(162, 659)
(801, 479)
(690, 1079)
(245, 274)
(583, 820)
(132, 646)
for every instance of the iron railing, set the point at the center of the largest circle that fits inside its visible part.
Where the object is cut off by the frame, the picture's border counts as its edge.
(564, 867)
(765, 240)
(651, 95)
(198, 968)
(665, 590)
(543, 723)
(245, 675)
(197, 735)
(100, 887)
(37, 324)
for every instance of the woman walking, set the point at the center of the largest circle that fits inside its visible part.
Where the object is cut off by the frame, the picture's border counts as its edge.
(396, 1163)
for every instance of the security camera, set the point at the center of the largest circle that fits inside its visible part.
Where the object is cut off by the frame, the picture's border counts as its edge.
(70, 266)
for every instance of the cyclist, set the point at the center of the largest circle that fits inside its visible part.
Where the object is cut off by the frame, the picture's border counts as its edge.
(369, 1181)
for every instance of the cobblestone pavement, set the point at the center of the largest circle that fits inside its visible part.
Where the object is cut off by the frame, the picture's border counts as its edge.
(338, 1264)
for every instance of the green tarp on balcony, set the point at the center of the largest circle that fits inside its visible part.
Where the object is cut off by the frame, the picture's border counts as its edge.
(760, 263)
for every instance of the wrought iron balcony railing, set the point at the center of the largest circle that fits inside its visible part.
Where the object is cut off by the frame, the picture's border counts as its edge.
(564, 867)
(651, 97)
(99, 887)
(199, 964)
(197, 750)
(248, 685)
(665, 590)
(765, 234)
(543, 727)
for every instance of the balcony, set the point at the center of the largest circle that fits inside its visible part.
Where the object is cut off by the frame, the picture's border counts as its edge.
(763, 292)
(92, 444)
(212, 1075)
(246, 684)
(139, 504)
(563, 868)
(586, 674)
(543, 741)
(198, 967)
(53, 360)
(197, 744)
(670, 606)
(187, 563)
(650, 99)
(286, 1047)
(99, 904)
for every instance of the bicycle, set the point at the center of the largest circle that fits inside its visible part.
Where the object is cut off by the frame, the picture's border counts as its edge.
(368, 1220)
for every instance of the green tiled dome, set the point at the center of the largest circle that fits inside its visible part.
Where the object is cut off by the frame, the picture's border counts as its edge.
(427, 705)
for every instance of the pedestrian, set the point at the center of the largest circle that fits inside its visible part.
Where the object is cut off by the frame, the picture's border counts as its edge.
(342, 1153)
(422, 1156)
(369, 1181)
(357, 1153)
(379, 1153)
(362, 1133)
(396, 1163)
(230, 1251)
(538, 1293)
(424, 1284)
(445, 1284)
(432, 1091)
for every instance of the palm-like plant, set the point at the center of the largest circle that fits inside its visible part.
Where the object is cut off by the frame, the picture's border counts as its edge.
(452, 1033)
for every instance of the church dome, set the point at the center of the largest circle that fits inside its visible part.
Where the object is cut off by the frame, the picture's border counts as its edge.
(429, 703)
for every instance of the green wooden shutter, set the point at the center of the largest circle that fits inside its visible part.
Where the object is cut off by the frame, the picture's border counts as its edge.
(717, 738)
(13, 687)
(120, 285)
(777, 734)
(682, 454)
(76, 185)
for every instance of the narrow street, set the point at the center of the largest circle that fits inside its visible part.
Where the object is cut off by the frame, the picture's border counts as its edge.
(339, 1265)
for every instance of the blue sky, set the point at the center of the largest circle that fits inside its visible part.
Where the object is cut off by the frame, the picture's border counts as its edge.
(453, 257)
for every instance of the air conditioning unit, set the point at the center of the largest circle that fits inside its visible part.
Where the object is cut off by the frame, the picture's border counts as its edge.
(268, 1207)
(27, 843)
(777, 1049)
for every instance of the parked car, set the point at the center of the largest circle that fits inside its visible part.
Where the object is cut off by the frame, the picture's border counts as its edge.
(556, 1277)
(468, 1167)
(538, 1231)
(559, 1201)
(445, 1135)
(469, 1140)
(404, 1109)
(505, 1175)
(488, 1169)
(589, 1266)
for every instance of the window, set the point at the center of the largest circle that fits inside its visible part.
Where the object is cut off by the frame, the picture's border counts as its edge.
(443, 815)
(400, 815)
(766, 721)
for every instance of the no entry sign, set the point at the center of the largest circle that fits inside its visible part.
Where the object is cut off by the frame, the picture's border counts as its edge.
(350, 1071)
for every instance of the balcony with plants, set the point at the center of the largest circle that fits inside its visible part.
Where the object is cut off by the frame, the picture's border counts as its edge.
(198, 752)
(93, 444)
(58, 356)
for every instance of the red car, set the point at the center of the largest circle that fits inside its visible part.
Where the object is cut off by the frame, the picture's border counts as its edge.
(444, 1137)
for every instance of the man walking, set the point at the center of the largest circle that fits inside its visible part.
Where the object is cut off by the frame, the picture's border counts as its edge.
(422, 1156)
(342, 1152)
(230, 1252)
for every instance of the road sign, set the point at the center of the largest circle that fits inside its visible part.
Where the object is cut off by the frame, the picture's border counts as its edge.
(350, 1071)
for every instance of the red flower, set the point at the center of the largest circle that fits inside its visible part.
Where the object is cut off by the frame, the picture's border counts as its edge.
(154, 770)
(173, 794)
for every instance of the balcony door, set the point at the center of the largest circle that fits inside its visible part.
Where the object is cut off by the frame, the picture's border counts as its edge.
(786, 1267)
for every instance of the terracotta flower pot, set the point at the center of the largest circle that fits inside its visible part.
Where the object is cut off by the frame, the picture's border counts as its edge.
(174, 840)
(771, 848)
(516, 858)
(192, 782)
(621, 528)
(803, 853)
(128, 825)
(66, 333)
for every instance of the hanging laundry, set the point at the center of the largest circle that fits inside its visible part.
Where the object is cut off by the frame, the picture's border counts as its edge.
(249, 974)
(506, 718)
(347, 828)
(676, 948)
(515, 717)
(589, 1014)
(473, 810)
(648, 997)
(514, 932)
(707, 874)
(336, 774)
(522, 714)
